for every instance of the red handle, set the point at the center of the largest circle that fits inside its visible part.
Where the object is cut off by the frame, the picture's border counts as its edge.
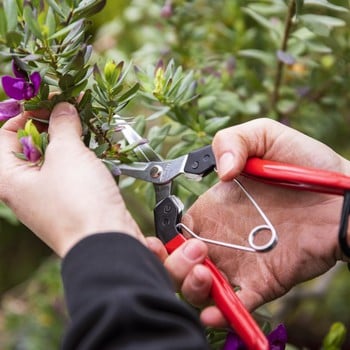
(302, 178)
(228, 302)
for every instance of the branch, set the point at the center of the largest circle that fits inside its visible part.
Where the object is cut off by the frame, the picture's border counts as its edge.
(280, 64)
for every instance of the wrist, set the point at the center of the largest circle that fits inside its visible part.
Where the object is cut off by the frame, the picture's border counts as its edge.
(70, 237)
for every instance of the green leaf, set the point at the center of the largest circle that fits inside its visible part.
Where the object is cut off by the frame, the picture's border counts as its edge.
(271, 8)
(13, 39)
(88, 8)
(99, 150)
(20, 156)
(11, 14)
(215, 124)
(326, 4)
(3, 23)
(130, 93)
(158, 134)
(7, 214)
(320, 24)
(56, 8)
(159, 113)
(263, 56)
(73, 26)
(299, 6)
(50, 22)
(259, 18)
(44, 141)
(32, 22)
(66, 82)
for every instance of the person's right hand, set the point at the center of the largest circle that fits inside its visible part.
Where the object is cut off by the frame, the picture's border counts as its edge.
(306, 222)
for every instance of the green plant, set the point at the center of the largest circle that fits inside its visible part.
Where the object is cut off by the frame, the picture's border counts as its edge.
(199, 66)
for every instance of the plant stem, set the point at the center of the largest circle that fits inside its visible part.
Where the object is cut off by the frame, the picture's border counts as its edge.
(280, 64)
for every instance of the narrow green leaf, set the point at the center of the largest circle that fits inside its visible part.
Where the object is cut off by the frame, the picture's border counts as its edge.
(50, 22)
(88, 8)
(5, 212)
(11, 14)
(321, 19)
(159, 113)
(299, 6)
(158, 134)
(215, 124)
(326, 4)
(57, 9)
(66, 82)
(259, 18)
(19, 4)
(32, 22)
(130, 93)
(67, 29)
(3, 23)
(262, 56)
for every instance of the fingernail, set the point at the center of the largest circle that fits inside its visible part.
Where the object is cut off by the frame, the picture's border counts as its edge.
(226, 162)
(192, 250)
(63, 109)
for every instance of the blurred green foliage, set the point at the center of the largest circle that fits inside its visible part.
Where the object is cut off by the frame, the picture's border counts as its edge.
(204, 65)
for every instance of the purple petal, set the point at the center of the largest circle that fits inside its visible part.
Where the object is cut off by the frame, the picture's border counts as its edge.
(35, 78)
(9, 109)
(18, 72)
(20, 88)
(233, 342)
(14, 87)
(30, 151)
(278, 338)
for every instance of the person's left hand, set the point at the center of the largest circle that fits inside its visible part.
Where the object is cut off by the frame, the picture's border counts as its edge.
(71, 195)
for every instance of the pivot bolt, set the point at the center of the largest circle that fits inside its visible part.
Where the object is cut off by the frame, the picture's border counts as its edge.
(156, 171)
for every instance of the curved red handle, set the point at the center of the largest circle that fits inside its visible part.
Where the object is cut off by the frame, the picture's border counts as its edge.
(297, 177)
(230, 305)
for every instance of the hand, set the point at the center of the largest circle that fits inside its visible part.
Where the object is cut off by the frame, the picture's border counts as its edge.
(71, 195)
(306, 222)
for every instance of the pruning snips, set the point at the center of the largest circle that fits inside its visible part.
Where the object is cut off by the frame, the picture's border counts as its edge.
(197, 164)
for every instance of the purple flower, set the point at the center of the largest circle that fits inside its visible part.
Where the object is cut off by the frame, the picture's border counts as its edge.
(277, 340)
(30, 151)
(9, 109)
(22, 86)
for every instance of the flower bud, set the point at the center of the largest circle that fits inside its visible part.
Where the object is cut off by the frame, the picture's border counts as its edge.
(30, 150)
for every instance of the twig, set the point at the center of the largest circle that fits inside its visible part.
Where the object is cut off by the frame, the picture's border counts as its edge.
(280, 64)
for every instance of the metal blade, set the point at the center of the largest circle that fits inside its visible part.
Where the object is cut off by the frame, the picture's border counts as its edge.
(144, 152)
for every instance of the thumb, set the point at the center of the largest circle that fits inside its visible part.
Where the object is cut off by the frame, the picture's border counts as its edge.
(64, 122)
(232, 146)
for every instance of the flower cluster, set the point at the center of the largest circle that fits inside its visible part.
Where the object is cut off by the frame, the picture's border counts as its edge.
(23, 87)
(18, 88)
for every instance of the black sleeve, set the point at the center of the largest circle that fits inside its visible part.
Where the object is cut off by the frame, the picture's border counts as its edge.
(120, 297)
